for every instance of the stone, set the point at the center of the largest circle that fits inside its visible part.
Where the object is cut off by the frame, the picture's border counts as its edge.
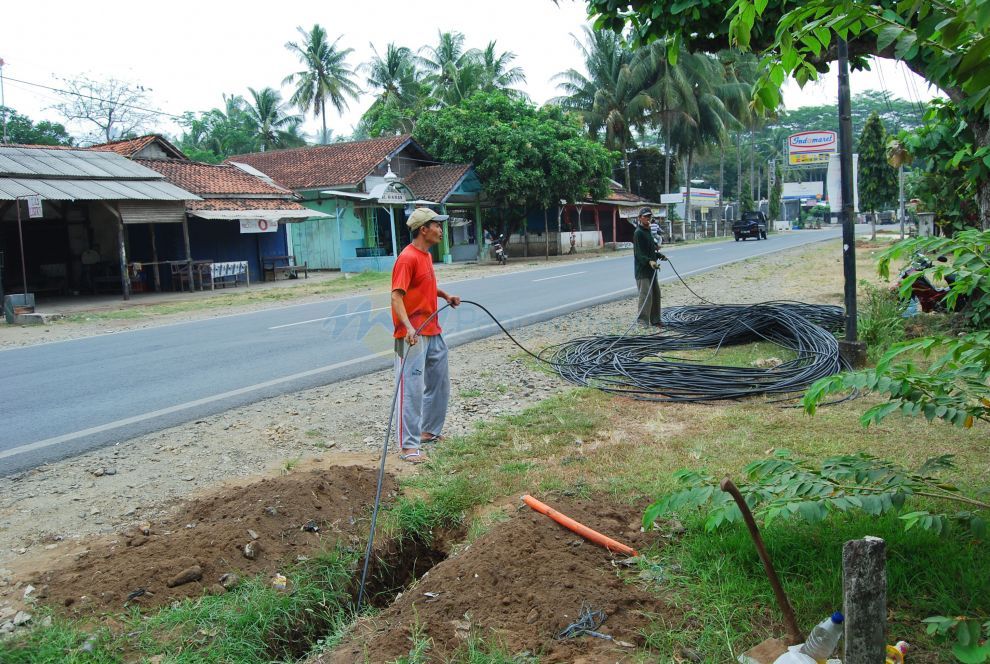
(253, 535)
(229, 580)
(21, 618)
(251, 550)
(188, 575)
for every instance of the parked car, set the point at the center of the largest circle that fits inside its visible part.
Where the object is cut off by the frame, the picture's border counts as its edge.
(752, 224)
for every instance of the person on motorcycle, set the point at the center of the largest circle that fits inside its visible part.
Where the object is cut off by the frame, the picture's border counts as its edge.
(645, 257)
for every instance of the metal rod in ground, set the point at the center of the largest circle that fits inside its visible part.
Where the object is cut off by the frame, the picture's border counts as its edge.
(794, 634)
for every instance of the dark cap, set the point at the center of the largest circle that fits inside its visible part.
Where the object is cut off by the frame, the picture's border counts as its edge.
(645, 212)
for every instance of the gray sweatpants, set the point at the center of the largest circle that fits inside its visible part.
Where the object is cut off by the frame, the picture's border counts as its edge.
(424, 389)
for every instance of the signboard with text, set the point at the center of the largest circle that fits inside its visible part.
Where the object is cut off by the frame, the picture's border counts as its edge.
(35, 210)
(258, 226)
(808, 148)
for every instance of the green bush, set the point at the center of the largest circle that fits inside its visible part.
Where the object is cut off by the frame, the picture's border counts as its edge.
(880, 321)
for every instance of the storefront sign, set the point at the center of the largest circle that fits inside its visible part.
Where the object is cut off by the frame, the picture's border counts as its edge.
(34, 207)
(258, 226)
(811, 147)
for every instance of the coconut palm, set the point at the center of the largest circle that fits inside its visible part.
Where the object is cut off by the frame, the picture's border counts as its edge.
(497, 72)
(326, 76)
(398, 81)
(274, 127)
(611, 98)
(452, 72)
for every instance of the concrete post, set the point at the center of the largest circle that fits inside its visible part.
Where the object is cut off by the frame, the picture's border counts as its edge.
(864, 597)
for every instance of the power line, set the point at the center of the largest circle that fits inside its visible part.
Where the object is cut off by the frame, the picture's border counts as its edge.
(85, 96)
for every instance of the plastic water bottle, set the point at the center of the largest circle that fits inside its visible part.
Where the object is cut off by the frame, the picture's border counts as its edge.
(823, 638)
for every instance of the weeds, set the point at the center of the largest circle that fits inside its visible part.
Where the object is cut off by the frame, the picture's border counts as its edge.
(880, 323)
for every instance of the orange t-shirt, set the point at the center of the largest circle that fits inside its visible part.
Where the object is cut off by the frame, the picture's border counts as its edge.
(413, 274)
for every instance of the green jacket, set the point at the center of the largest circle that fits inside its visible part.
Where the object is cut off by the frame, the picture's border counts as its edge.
(644, 250)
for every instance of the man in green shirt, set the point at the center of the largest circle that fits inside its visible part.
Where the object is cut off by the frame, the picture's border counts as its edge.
(645, 257)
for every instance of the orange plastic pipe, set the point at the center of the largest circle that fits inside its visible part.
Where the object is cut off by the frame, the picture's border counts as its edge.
(579, 528)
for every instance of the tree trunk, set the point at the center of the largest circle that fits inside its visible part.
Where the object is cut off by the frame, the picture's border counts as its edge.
(752, 165)
(666, 167)
(981, 134)
(721, 176)
(739, 182)
(625, 161)
(687, 191)
(323, 113)
(873, 225)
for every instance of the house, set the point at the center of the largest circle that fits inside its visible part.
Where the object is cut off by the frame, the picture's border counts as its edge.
(367, 188)
(92, 203)
(237, 222)
(592, 223)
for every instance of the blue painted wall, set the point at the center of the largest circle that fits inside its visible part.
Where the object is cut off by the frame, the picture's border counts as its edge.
(219, 241)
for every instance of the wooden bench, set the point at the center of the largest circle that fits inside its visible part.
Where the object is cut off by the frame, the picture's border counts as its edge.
(273, 266)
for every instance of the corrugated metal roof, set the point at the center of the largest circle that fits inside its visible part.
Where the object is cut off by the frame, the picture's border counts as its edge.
(38, 162)
(93, 190)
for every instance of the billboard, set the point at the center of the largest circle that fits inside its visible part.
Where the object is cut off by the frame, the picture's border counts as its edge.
(809, 148)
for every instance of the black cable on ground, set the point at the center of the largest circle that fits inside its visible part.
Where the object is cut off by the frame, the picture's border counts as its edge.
(641, 366)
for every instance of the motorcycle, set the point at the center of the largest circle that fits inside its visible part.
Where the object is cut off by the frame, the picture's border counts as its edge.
(498, 249)
(929, 296)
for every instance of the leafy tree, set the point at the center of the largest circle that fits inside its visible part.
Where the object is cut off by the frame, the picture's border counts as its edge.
(877, 179)
(20, 129)
(117, 109)
(746, 202)
(274, 128)
(326, 77)
(948, 166)
(947, 43)
(527, 157)
(219, 133)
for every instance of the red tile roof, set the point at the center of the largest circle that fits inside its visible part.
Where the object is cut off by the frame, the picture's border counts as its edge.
(618, 194)
(435, 183)
(129, 147)
(217, 179)
(243, 204)
(333, 165)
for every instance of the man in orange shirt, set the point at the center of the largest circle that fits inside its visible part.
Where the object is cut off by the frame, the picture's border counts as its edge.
(424, 382)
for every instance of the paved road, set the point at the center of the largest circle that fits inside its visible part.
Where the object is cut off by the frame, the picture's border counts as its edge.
(64, 398)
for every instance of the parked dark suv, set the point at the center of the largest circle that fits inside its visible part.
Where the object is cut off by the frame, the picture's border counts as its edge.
(752, 224)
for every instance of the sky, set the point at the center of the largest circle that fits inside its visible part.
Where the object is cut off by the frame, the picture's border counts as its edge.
(190, 53)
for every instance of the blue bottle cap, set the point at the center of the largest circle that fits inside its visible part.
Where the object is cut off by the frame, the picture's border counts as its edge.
(837, 617)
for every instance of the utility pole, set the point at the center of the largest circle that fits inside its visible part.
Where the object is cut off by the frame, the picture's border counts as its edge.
(3, 101)
(851, 349)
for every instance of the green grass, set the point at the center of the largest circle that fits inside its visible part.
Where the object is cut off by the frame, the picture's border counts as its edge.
(719, 582)
(254, 623)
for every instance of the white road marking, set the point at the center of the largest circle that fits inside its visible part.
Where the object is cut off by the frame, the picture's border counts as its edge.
(559, 276)
(317, 320)
(48, 442)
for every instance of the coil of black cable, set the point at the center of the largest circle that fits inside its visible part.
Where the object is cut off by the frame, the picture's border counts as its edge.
(642, 367)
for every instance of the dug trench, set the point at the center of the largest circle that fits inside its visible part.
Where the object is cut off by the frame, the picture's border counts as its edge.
(518, 585)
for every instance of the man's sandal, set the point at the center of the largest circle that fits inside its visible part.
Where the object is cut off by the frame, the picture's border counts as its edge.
(413, 455)
(433, 440)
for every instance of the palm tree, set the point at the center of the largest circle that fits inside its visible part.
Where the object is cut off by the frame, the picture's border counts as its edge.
(452, 72)
(274, 127)
(709, 120)
(326, 75)
(611, 98)
(497, 72)
(397, 79)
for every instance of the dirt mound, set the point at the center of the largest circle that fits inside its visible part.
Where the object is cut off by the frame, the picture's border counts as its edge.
(282, 517)
(520, 585)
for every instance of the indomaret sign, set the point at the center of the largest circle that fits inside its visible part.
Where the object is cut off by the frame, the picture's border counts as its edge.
(810, 148)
